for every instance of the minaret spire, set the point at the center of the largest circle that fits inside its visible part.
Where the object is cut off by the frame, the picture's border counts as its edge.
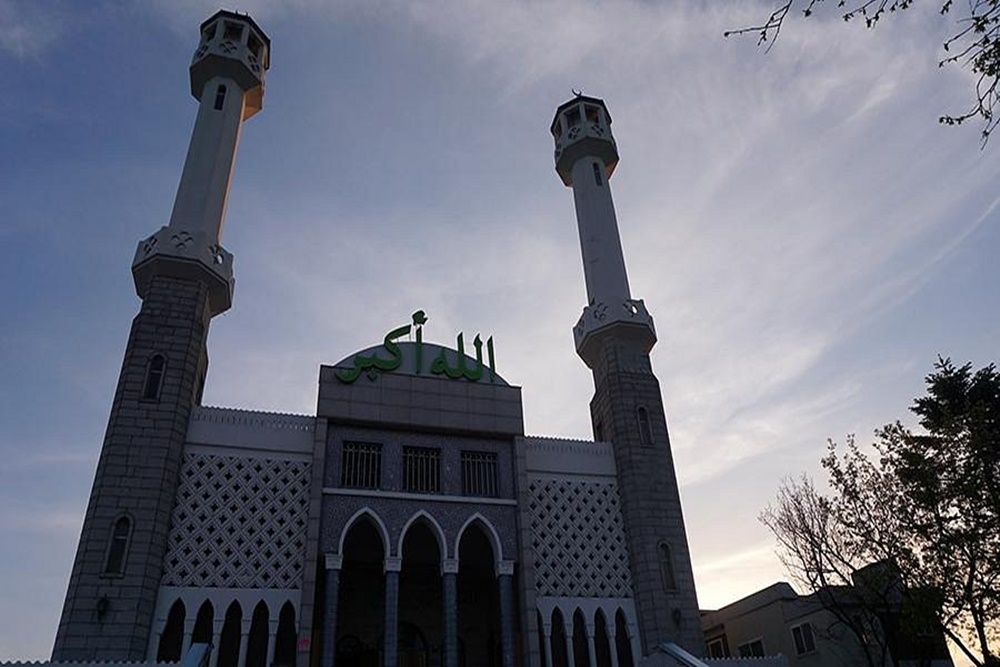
(614, 336)
(227, 78)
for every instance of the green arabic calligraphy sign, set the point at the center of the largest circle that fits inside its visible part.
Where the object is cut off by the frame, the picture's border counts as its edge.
(374, 363)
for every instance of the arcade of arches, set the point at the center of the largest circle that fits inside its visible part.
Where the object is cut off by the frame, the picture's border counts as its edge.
(257, 640)
(420, 608)
(569, 642)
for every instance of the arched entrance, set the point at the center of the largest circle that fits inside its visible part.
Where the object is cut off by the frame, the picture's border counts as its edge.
(421, 615)
(478, 600)
(361, 604)
(172, 638)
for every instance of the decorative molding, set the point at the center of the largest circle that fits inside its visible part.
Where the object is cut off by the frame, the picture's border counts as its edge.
(427, 497)
(449, 566)
(334, 561)
(393, 564)
(505, 568)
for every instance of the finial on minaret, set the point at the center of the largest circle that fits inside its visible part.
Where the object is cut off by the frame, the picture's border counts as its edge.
(227, 78)
(586, 156)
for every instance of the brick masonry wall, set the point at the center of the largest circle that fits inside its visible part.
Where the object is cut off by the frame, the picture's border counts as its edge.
(650, 500)
(137, 476)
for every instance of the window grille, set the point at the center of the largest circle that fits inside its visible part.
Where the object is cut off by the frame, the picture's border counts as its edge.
(717, 648)
(220, 97)
(803, 636)
(361, 465)
(597, 175)
(421, 469)
(479, 474)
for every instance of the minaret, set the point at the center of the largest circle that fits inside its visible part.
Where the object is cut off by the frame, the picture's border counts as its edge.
(184, 277)
(614, 337)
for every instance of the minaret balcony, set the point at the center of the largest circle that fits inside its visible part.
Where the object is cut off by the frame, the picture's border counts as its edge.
(232, 46)
(189, 255)
(582, 128)
(625, 319)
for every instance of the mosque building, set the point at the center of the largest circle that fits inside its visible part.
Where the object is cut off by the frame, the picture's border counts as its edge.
(409, 521)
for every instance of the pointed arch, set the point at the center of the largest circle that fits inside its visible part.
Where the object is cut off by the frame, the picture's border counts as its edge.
(557, 639)
(581, 647)
(372, 515)
(172, 638)
(203, 625)
(435, 527)
(286, 637)
(258, 637)
(491, 535)
(623, 639)
(229, 640)
(602, 639)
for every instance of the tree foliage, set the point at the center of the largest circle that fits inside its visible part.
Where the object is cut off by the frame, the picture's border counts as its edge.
(927, 505)
(974, 44)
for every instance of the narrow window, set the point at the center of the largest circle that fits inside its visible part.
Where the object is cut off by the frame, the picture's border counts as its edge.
(573, 117)
(361, 465)
(154, 378)
(118, 547)
(255, 44)
(421, 469)
(593, 114)
(667, 568)
(220, 97)
(597, 175)
(209, 32)
(479, 474)
(645, 430)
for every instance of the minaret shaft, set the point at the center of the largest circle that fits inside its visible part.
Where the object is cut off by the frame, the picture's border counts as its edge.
(600, 243)
(200, 204)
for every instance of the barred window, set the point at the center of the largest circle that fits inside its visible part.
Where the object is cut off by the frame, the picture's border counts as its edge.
(479, 474)
(421, 469)
(361, 465)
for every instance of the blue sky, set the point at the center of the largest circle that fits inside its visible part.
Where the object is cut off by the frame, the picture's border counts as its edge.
(805, 234)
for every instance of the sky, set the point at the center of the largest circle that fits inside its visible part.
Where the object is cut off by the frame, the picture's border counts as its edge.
(805, 234)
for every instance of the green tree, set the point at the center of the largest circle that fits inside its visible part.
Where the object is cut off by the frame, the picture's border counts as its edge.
(928, 504)
(975, 43)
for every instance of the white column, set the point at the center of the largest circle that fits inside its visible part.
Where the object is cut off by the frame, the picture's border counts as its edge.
(217, 624)
(612, 636)
(592, 648)
(244, 639)
(547, 640)
(189, 622)
(272, 634)
(568, 634)
(154, 639)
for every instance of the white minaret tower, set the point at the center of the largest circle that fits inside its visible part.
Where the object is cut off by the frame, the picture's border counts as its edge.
(184, 277)
(614, 337)
(227, 78)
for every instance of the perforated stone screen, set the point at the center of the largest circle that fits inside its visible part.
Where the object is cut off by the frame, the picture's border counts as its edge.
(578, 539)
(238, 523)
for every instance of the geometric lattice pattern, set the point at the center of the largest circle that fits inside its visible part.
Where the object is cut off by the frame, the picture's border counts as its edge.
(238, 523)
(578, 539)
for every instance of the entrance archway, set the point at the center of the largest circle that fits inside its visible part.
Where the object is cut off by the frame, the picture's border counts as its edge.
(361, 604)
(478, 600)
(421, 604)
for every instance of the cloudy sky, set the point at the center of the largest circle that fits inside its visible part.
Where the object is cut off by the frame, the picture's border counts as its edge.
(805, 234)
